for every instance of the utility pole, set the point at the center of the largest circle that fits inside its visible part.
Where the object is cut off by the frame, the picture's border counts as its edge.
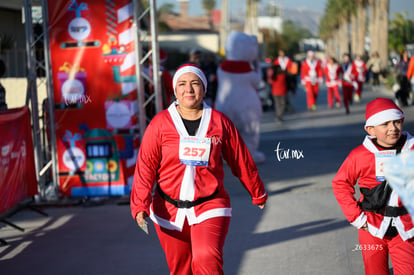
(251, 26)
(224, 28)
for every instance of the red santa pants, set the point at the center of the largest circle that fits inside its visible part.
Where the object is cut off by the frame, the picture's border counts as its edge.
(198, 249)
(333, 92)
(311, 94)
(347, 91)
(375, 254)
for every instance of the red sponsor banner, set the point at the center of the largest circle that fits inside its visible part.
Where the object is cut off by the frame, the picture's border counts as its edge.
(95, 92)
(17, 168)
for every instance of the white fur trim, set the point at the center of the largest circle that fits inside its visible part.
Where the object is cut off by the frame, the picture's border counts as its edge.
(360, 221)
(189, 69)
(380, 232)
(179, 221)
(405, 235)
(384, 116)
(187, 188)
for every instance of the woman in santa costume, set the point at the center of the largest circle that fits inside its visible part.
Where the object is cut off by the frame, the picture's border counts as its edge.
(349, 84)
(332, 72)
(311, 76)
(182, 152)
(289, 68)
(361, 70)
(385, 227)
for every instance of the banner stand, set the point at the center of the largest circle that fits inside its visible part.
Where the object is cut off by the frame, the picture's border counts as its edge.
(25, 204)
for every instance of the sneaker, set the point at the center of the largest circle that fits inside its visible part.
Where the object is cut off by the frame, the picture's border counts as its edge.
(357, 98)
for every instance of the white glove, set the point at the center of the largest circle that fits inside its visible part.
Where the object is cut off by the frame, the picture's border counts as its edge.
(355, 84)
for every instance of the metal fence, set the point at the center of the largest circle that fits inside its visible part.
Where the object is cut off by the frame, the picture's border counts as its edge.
(16, 62)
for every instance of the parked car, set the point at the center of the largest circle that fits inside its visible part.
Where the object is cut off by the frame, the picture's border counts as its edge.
(265, 92)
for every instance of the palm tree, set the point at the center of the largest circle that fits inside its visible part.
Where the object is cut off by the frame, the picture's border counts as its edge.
(251, 17)
(378, 28)
(401, 32)
(373, 25)
(209, 6)
(329, 27)
(383, 14)
(362, 26)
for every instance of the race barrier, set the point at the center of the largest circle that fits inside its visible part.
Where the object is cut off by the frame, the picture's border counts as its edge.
(18, 181)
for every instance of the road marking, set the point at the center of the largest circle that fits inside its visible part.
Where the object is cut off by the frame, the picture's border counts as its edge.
(16, 251)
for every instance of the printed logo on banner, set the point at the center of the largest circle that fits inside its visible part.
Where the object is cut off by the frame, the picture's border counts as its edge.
(73, 158)
(78, 59)
(79, 28)
(5, 150)
(73, 81)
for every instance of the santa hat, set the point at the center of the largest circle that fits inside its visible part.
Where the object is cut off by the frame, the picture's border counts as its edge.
(381, 110)
(189, 68)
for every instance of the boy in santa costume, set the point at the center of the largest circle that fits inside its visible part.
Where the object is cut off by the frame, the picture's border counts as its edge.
(385, 227)
(311, 76)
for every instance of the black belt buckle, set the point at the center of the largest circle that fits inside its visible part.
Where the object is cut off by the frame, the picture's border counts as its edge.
(184, 204)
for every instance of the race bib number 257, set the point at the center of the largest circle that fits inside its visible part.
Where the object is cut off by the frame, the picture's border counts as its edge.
(194, 151)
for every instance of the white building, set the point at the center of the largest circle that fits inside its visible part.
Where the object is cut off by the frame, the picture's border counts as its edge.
(270, 22)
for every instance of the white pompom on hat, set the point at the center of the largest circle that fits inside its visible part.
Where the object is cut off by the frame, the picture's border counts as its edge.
(381, 110)
(189, 68)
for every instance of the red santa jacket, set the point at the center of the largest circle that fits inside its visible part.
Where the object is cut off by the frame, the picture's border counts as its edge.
(359, 167)
(349, 75)
(311, 72)
(361, 70)
(277, 82)
(158, 161)
(285, 63)
(332, 74)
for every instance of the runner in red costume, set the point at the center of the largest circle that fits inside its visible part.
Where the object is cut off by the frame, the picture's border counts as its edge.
(361, 70)
(182, 153)
(332, 72)
(385, 227)
(349, 84)
(311, 76)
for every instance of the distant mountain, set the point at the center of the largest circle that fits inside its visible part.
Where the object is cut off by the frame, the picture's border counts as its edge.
(308, 19)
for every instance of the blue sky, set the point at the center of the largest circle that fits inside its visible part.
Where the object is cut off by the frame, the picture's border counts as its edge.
(195, 6)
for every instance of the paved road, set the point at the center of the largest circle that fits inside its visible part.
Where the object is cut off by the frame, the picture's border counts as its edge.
(301, 231)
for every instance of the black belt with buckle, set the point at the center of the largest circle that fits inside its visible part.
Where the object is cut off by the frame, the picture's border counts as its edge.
(391, 211)
(184, 204)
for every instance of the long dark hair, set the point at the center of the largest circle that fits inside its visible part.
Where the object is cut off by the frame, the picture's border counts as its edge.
(277, 70)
